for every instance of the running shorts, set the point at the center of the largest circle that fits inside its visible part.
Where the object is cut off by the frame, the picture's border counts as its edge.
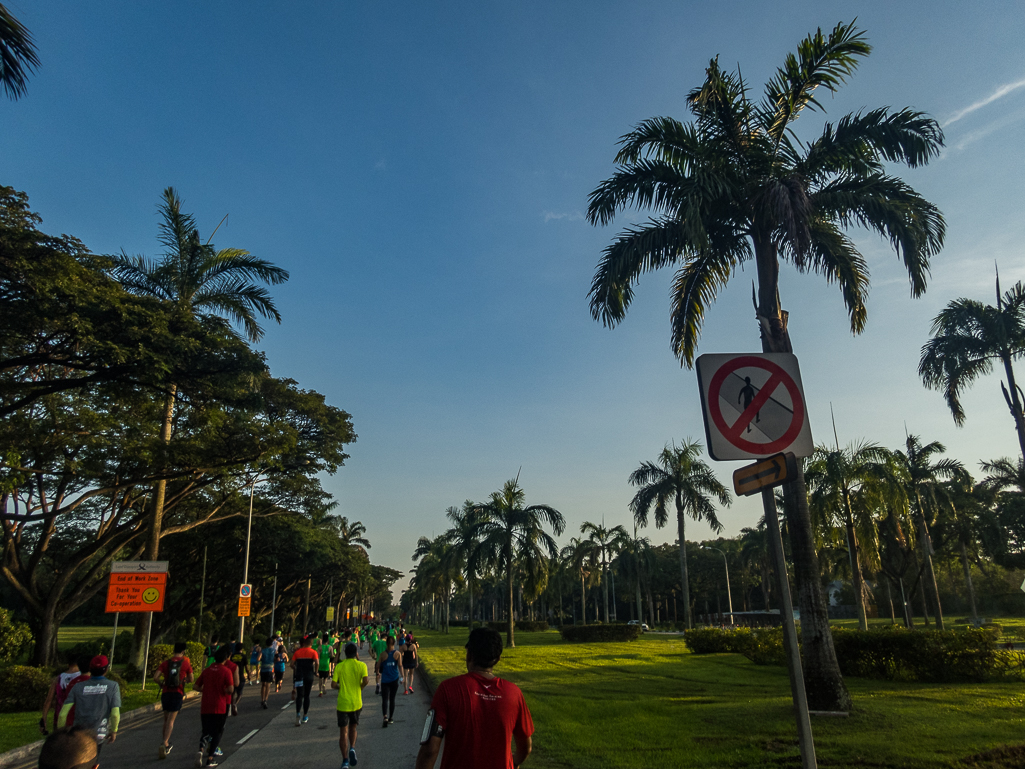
(241, 687)
(348, 719)
(279, 676)
(171, 702)
(266, 676)
(325, 673)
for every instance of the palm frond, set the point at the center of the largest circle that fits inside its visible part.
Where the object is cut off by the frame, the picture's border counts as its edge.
(696, 287)
(17, 55)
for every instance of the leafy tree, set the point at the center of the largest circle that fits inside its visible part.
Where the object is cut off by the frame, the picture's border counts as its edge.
(508, 530)
(968, 336)
(734, 185)
(678, 478)
(17, 54)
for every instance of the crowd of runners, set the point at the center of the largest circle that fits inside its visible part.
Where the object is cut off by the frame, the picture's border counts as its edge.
(84, 700)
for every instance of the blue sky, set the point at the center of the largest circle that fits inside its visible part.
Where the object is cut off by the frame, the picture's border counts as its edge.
(422, 171)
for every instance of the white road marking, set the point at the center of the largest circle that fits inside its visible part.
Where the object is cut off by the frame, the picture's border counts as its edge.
(287, 706)
(247, 736)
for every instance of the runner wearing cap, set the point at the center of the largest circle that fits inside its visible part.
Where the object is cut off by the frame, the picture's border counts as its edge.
(97, 703)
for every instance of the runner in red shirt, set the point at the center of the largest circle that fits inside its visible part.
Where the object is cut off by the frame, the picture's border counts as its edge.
(172, 676)
(477, 714)
(217, 685)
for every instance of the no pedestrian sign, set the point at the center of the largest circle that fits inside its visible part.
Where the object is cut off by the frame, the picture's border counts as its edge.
(753, 405)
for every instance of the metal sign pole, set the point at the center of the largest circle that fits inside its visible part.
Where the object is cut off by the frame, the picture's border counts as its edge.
(113, 641)
(790, 635)
(145, 657)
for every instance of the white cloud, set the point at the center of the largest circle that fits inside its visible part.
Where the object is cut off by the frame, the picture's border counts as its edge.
(999, 93)
(576, 216)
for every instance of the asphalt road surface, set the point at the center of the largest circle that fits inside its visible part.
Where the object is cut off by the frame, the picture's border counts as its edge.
(268, 739)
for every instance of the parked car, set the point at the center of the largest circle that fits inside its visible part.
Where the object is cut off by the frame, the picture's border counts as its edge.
(644, 628)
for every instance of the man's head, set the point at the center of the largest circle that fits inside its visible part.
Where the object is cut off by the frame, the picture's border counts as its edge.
(221, 654)
(270, 641)
(350, 651)
(484, 648)
(323, 638)
(180, 647)
(305, 641)
(73, 748)
(389, 643)
(83, 664)
(98, 665)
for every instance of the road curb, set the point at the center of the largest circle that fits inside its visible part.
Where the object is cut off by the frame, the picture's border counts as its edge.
(17, 755)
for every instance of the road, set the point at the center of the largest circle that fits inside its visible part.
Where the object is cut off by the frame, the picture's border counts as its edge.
(269, 739)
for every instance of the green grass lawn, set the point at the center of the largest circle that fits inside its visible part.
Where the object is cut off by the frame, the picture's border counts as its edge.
(652, 703)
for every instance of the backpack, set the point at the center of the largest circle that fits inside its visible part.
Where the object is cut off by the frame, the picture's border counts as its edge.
(174, 674)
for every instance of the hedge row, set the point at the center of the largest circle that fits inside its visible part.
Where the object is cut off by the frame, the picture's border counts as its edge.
(597, 633)
(892, 653)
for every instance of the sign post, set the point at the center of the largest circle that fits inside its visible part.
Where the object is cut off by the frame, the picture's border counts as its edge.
(754, 408)
(136, 586)
(245, 597)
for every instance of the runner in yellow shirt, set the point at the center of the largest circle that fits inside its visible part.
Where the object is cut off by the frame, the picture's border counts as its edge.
(350, 678)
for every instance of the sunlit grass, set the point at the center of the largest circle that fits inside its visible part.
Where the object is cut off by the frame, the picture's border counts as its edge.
(652, 703)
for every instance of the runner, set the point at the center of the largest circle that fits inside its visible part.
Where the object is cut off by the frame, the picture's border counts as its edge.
(280, 658)
(325, 652)
(58, 692)
(410, 660)
(350, 678)
(172, 676)
(305, 662)
(97, 703)
(254, 664)
(389, 669)
(240, 660)
(211, 650)
(266, 672)
(377, 646)
(217, 684)
(477, 714)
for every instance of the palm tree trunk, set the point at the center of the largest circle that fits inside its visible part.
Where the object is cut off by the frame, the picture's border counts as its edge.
(510, 640)
(683, 565)
(855, 557)
(583, 601)
(968, 583)
(469, 585)
(823, 680)
(640, 606)
(1015, 404)
(926, 543)
(605, 586)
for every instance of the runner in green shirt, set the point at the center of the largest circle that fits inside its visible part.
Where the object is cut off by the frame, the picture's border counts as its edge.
(377, 646)
(324, 651)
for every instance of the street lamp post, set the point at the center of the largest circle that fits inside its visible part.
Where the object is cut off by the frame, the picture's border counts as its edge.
(729, 597)
(245, 571)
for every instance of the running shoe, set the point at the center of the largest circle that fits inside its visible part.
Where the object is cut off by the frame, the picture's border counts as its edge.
(234, 710)
(219, 753)
(298, 720)
(352, 756)
(211, 762)
(345, 765)
(410, 689)
(391, 720)
(200, 759)
(385, 724)
(264, 703)
(306, 719)
(163, 751)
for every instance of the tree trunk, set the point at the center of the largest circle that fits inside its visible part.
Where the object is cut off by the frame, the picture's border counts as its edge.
(583, 601)
(640, 606)
(469, 586)
(683, 566)
(605, 586)
(510, 638)
(856, 576)
(930, 575)
(968, 583)
(823, 681)
(1015, 404)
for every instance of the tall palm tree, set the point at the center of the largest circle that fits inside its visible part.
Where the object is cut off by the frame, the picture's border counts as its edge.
(199, 280)
(577, 556)
(734, 185)
(968, 336)
(607, 542)
(463, 539)
(17, 55)
(349, 534)
(963, 510)
(443, 560)
(839, 480)
(681, 479)
(508, 529)
(923, 476)
(635, 559)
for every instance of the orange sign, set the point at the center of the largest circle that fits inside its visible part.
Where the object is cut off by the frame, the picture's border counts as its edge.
(243, 606)
(131, 591)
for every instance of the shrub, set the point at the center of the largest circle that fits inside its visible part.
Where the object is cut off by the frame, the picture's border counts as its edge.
(101, 645)
(713, 640)
(23, 687)
(17, 637)
(598, 633)
(936, 656)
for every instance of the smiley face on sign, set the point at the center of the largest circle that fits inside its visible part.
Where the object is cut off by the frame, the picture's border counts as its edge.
(150, 595)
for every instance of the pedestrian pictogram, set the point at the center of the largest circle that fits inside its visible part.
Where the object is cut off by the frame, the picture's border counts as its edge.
(774, 471)
(753, 405)
(245, 598)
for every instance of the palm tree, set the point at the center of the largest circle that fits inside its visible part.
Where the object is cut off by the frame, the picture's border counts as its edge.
(199, 280)
(463, 539)
(967, 337)
(736, 184)
(922, 477)
(577, 556)
(349, 534)
(17, 55)
(443, 561)
(681, 479)
(507, 529)
(635, 558)
(963, 509)
(607, 542)
(839, 481)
